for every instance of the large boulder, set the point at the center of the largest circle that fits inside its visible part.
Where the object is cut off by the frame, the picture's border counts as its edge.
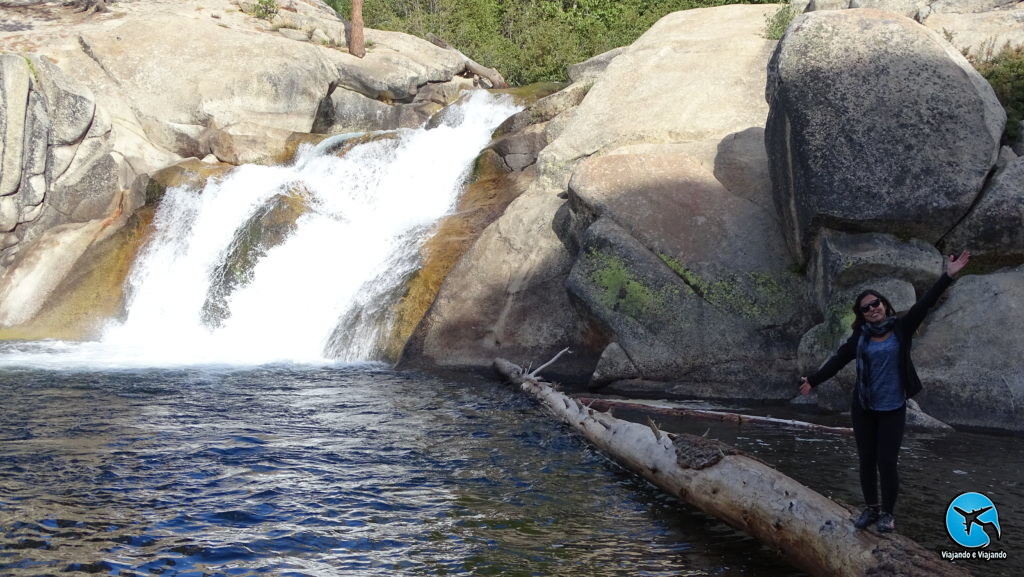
(680, 198)
(674, 219)
(992, 230)
(696, 73)
(876, 123)
(670, 327)
(163, 67)
(968, 355)
(696, 227)
(841, 261)
(505, 297)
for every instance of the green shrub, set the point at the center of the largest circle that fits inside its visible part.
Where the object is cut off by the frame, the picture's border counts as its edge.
(1004, 70)
(776, 24)
(265, 9)
(526, 40)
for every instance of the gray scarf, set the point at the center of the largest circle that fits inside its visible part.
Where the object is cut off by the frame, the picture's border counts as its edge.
(879, 329)
(868, 330)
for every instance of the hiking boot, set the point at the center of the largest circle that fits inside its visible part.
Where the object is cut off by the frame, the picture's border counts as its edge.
(886, 524)
(868, 516)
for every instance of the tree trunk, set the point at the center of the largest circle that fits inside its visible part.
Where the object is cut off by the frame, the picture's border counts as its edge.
(356, 44)
(812, 532)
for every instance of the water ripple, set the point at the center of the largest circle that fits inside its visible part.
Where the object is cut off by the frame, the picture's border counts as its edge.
(292, 471)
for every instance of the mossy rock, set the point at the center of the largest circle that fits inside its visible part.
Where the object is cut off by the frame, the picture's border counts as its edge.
(480, 205)
(755, 296)
(624, 291)
(530, 93)
(269, 227)
(190, 172)
(93, 292)
(296, 140)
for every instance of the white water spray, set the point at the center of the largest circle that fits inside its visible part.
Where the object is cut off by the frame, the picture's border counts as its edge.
(364, 216)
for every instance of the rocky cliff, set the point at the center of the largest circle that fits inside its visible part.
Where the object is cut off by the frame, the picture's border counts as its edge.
(92, 105)
(691, 216)
(700, 222)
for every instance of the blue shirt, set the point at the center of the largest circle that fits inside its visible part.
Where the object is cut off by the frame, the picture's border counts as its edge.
(884, 389)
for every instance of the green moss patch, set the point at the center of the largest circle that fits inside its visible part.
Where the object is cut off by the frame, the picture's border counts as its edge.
(752, 295)
(620, 290)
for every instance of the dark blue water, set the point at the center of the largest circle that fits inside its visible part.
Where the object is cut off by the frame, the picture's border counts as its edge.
(324, 471)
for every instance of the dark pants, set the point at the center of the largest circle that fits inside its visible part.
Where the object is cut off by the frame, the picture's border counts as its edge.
(879, 435)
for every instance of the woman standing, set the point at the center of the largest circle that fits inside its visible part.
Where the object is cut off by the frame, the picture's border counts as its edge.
(886, 378)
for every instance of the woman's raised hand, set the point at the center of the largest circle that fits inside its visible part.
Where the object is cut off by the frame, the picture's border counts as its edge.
(805, 386)
(956, 264)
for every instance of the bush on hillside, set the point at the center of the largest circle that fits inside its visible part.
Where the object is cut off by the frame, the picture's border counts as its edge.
(1004, 70)
(527, 40)
(776, 24)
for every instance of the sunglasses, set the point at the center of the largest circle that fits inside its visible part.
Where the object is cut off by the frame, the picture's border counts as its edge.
(868, 306)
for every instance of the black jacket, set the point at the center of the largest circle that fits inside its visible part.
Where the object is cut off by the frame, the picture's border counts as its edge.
(904, 329)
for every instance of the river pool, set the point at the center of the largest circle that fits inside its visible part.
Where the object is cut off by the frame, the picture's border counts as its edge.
(361, 470)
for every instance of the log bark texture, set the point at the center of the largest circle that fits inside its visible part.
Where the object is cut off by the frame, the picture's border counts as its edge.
(812, 532)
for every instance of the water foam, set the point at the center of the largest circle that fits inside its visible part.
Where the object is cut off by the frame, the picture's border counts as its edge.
(367, 214)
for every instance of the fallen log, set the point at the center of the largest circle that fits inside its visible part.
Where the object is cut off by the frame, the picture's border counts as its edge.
(607, 405)
(812, 532)
(489, 74)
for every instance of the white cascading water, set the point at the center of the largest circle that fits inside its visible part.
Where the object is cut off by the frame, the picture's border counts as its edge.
(368, 213)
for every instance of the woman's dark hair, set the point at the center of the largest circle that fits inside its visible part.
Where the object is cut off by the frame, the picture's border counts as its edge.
(858, 319)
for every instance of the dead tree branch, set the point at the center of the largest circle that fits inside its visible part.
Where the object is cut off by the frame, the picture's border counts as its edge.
(491, 75)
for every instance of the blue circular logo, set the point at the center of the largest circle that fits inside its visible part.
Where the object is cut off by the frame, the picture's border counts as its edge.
(972, 520)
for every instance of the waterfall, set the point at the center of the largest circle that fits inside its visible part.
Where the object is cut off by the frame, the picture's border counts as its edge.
(262, 265)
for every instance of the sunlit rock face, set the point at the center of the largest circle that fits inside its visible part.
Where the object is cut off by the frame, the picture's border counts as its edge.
(876, 124)
(92, 105)
(62, 184)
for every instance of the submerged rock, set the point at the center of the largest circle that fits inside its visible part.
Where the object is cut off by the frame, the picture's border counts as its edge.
(268, 227)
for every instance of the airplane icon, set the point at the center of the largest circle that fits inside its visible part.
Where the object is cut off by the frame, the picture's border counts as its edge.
(972, 519)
